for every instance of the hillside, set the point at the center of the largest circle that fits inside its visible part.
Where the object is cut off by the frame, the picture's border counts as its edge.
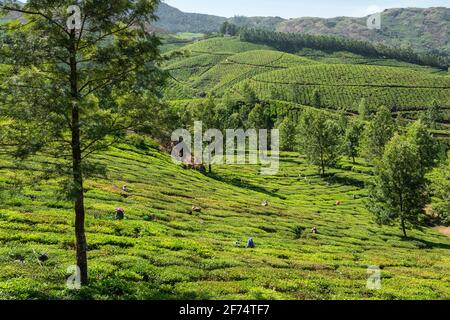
(422, 29)
(162, 252)
(393, 87)
(218, 65)
(174, 20)
(95, 206)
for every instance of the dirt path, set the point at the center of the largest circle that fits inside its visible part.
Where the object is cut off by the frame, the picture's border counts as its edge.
(443, 230)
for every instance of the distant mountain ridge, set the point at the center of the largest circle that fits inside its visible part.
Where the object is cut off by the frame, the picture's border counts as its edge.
(175, 20)
(423, 29)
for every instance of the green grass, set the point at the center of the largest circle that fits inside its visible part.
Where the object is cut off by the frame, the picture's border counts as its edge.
(162, 252)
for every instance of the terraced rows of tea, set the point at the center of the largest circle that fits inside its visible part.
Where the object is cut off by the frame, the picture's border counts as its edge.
(343, 85)
(162, 251)
(219, 64)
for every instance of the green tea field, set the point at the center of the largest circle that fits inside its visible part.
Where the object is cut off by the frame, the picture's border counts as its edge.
(162, 251)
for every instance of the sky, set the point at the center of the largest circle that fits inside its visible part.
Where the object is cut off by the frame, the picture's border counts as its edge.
(298, 8)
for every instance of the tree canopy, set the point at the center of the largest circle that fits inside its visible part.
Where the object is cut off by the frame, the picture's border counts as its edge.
(74, 87)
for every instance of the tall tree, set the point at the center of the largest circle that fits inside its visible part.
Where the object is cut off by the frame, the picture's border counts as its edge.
(259, 118)
(320, 139)
(432, 115)
(77, 78)
(352, 139)
(378, 132)
(399, 187)
(288, 133)
(427, 146)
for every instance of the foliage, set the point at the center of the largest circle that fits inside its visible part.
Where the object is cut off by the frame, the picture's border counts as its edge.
(72, 93)
(377, 134)
(293, 42)
(399, 187)
(433, 115)
(427, 147)
(352, 139)
(441, 187)
(320, 139)
(288, 133)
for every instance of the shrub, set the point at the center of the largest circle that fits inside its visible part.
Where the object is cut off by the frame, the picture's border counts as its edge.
(298, 232)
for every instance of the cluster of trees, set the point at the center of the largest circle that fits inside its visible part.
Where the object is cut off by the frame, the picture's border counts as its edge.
(401, 156)
(229, 29)
(294, 42)
(246, 111)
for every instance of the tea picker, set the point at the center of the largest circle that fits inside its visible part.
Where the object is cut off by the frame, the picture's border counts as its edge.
(120, 214)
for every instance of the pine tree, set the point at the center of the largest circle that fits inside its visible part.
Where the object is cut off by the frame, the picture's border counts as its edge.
(72, 89)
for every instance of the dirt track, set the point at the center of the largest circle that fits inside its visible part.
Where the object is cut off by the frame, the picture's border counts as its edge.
(443, 230)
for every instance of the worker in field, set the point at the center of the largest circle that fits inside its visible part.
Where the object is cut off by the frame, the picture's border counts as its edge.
(120, 214)
(250, 244)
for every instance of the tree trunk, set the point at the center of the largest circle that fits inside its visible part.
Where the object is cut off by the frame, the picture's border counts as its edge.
(322, 164)
(404, 228)
(81, 244)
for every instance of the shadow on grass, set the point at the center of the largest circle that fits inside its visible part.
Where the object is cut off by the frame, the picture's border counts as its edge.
(424, 244)
(294, 161)
(333, 179)
(243, 184)
(115, 288)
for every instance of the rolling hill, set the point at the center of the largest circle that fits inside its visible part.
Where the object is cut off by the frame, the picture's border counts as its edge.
(185, 231)
(422, 29)
(162, 251)
(343, 86)
(342, 79)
